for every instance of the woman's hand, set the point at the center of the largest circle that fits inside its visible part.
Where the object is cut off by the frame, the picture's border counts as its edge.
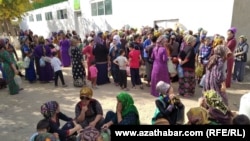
(105, 126)
(92, 124)
(85, 108)
(119, 107)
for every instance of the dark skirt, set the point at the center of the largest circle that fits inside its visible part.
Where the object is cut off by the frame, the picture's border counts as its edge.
(187, 83)
(102, 75)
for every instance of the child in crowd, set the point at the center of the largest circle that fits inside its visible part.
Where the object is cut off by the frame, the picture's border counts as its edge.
(42, 132)
(93, 74)
(134, 64)
(122, 62)
(56, 65)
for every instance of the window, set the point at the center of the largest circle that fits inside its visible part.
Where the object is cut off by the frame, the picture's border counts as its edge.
(108, 7)
(31, 18)
(62, 14)
(101, 8)
(94, 9)
(48, 16)
(38, 17)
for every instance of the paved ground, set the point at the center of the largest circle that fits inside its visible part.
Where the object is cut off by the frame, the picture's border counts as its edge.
(20, 113)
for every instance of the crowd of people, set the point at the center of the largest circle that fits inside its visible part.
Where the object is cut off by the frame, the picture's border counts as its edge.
(168, 55)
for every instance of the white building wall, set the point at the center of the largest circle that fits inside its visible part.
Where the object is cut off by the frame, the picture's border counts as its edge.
(44, 27)
(214, 15)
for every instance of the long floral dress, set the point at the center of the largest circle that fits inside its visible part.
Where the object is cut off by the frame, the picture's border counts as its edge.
(6, 62)
(78, 69)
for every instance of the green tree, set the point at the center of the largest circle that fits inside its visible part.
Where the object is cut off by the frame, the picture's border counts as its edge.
(13, 10)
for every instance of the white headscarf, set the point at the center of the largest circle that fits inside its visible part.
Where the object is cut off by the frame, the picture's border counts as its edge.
(162, 87)
(117, 38)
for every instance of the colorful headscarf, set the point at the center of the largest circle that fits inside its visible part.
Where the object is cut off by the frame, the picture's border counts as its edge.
(86, 91)
(48, 109)
(198, 116)
(219, 53)
(89, 134)
(127, 103)
(233, 29)
(214, 100)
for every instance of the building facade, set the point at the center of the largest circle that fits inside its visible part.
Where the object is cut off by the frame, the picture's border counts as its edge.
(216, 16)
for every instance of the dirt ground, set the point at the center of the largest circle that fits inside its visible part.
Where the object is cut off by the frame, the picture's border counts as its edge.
(20, 113)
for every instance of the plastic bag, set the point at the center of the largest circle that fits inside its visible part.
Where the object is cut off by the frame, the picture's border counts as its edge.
(18, 80)
(106, 135)
(180, 71)
(42, 62)
(172, 68)
(202, 82)
(26, 62)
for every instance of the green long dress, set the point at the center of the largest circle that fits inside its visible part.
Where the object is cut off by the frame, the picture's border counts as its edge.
(6, 63)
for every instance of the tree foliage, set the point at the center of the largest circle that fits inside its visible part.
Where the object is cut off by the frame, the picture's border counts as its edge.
(11, 9)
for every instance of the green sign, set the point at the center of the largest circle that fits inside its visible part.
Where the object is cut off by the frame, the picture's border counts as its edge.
(76, 4)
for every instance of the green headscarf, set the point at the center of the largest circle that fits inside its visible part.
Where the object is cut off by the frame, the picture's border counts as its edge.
(127, 103)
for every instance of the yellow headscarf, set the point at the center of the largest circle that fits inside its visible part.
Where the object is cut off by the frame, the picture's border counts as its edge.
(86, 91)
(198, 116)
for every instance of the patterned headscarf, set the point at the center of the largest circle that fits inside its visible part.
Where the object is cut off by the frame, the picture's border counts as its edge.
(162, 87)
(219, 53)
(48, 109)
(198, 116)
(214, 100)
(127, 103)
(89, 134)
(160, 41)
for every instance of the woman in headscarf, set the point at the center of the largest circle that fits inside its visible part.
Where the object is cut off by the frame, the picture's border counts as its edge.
(114, 52)
(100, 52)
(168, 105)
(240, 59)
(89, 111)
(215, 72)
(231, 44)
(126, 112)
(88, 52)
(219, 113)
(187, 62)
(42, 50)
(51, 111)
(64, 50)
(198, 116)
(160, 69)
(78, 69)
(9, 68)
(30, 73)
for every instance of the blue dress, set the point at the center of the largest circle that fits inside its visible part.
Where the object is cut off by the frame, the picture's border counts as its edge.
(30, 73)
